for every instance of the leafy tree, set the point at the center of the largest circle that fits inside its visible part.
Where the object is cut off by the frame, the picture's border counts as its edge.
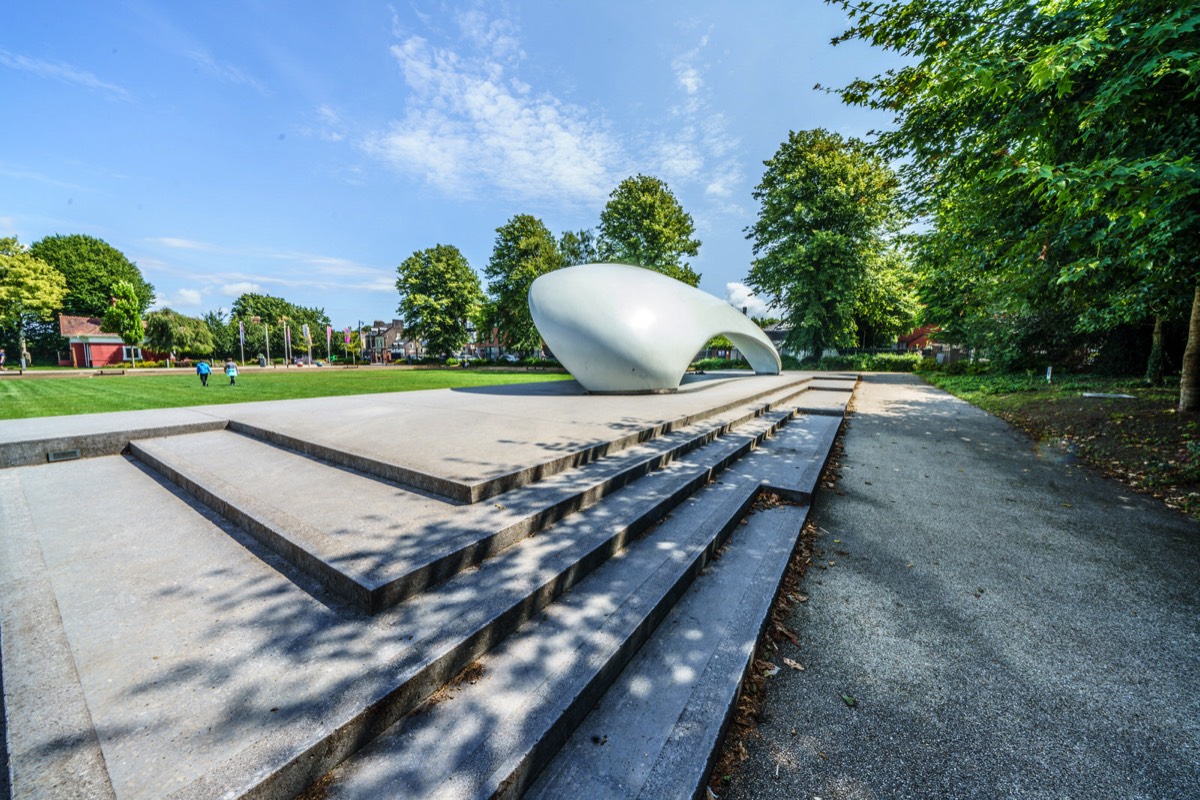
(1056, 139)
(886, 304)
(124, 316)
(524, 250)
(643, 224)
(169, 331)
(827, 205)
(223, 333)
(578, 247)
(439, 293)
(30, 290)
(275, 313)
(92, 268)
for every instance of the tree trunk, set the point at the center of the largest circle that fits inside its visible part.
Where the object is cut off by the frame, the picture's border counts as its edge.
(1189, 381)
(1156, 365)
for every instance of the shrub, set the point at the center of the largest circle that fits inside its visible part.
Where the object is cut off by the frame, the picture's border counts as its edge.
(705, 364)
(872, 362)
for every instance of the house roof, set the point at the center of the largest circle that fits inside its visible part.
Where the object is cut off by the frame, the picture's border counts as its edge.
(80, 326)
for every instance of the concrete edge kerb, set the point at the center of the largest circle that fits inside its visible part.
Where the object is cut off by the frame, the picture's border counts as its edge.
(92, 445)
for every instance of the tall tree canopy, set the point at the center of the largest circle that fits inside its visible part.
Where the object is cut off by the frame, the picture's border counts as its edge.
(578, 247)
(124, 315)
(274, 314)
(30, 290)
(644, 224)
(826, 207)
(1051, 147)
(92, 268)
(169, 331)
(524, 250)
(439, 294)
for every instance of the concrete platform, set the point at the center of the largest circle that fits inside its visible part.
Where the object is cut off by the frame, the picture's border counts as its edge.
(193, 617)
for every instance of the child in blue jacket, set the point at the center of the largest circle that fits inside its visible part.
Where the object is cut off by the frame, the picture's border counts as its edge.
(203, 370)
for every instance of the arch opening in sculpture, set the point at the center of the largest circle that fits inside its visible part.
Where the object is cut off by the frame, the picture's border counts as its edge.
(620, 328)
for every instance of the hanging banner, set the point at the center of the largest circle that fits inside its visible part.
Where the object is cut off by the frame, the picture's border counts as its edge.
(347, 336)
(241, 333)
(328, 338)
(307, 334)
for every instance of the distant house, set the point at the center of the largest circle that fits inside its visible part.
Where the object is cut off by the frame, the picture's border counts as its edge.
(91, 347)
(388, 338)
(917, 339)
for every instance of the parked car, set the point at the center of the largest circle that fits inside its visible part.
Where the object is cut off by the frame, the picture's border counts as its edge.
(510, 358)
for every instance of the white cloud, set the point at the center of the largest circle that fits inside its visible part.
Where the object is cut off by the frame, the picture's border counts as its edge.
(184, 244)
(225, 72)
(702, 150)
(241, 288)
(687, 75)
(472, 126)
(62, 72)
(332, 127)
(740, 296)
(184, 298)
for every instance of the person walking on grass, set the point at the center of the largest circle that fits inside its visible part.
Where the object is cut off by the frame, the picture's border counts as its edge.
(203, 370)
(231, 371)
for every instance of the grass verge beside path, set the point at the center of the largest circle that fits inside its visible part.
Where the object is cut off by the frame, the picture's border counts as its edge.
(50, 397)
(1143, 442)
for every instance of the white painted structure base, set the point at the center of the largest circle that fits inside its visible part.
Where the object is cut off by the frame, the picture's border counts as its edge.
(620, 328)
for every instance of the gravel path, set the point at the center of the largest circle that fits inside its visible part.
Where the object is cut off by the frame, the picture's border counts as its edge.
(1006, 623)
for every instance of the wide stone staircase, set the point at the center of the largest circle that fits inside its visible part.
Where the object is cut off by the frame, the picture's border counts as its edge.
(242, 608)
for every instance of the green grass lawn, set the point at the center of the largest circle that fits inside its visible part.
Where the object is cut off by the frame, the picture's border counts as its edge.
(48, 397)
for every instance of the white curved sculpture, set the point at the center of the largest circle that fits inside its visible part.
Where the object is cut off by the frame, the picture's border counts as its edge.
(618, 328)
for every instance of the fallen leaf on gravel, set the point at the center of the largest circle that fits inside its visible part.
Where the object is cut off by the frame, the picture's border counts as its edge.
(801, 598)
(772, 672)
(849, 700)
(782, 631)
(796, 665)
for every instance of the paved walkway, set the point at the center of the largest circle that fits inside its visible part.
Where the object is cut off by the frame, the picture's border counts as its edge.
(1008, 623)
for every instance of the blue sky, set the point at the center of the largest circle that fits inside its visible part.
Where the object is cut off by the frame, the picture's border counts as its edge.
(305, 149)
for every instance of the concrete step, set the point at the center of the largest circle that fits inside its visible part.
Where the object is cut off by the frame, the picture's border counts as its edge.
(830, 402)
(493, 732)
(299, 436)
(792, 465)
(449, 626)
(486, 734)
(373, 543)
(655, 732)
(207, 664)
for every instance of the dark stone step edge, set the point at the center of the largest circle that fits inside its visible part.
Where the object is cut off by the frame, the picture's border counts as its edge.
(273, 526)
(463, 492)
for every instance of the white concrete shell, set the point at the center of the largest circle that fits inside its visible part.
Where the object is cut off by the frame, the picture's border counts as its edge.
(618, 328)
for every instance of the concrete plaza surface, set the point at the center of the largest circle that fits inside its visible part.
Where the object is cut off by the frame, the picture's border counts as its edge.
(1007, 623)
(231, 600)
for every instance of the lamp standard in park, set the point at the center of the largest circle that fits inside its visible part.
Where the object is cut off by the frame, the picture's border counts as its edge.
(266, 335)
